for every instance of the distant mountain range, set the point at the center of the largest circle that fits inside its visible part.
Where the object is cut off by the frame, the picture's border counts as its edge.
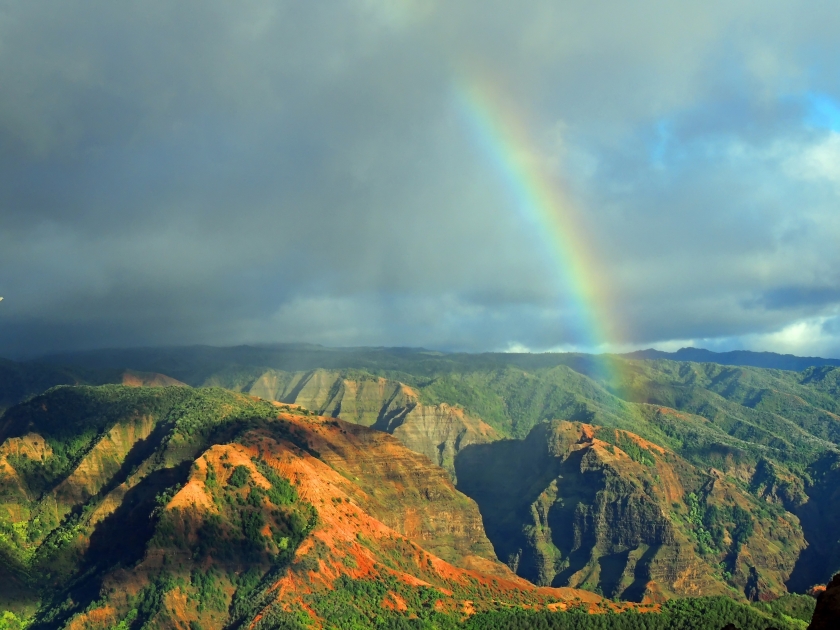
(770, 360)
(195, 363)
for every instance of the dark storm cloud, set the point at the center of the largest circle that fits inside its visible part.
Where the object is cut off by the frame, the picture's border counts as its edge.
(792, 297)
(260, 171)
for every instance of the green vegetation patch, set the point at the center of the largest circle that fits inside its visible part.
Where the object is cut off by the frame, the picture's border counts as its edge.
(702, 613)
(355, 604)
(789, 607)
(711, 524)
(239, 477)
(359, 603)
(10, 621)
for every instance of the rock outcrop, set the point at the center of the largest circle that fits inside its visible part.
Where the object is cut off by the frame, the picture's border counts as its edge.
(827, 614)
(437, 431)
(410, 495)
(132, 378)
(589, 507)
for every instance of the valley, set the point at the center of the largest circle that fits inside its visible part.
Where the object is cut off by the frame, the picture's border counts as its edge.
(447, 488)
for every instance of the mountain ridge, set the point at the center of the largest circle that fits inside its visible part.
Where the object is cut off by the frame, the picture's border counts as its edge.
(771, 360)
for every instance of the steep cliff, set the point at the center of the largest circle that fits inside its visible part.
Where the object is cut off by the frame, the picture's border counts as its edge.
(819, 514)
(583, 506)
(409, 494)
(437, 431)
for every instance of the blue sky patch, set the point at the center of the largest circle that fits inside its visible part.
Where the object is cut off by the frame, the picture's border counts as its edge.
(822, 112)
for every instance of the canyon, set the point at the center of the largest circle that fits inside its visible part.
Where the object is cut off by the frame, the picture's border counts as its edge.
(436, 490)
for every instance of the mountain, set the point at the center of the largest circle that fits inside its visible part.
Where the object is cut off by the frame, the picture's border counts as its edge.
(768, 436)
(605, 510)
(19, 381)
(174, 505)
(195, 364)
(509, 392)
(774, 433)
(438, 431)
(770, 360)
(642, 479)
(181, 508)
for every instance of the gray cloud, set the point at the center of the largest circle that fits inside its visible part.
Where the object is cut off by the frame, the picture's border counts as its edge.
(261, 171)
(792, 297)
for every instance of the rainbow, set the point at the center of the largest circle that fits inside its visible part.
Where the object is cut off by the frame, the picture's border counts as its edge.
(498, 131)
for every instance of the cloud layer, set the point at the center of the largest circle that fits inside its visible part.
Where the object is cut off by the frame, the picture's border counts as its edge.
(210, 172)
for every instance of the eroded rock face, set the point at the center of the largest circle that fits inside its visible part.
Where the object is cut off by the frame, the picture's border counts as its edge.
(437, 431)
(132, 378)
(827, 614)
(589, 507)
(404, 490)
(363, 400)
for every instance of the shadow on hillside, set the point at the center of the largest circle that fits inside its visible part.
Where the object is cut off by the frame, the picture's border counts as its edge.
(118, 540)
(641, 576)
(121, 538)
(820, 521)
(611, 571)
(140, 452)
(504, 478)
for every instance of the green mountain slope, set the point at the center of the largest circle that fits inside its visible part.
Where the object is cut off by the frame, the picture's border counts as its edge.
(170, 506)
(769, 435)
(173, 508)
(512, 392)
(770, 360)
(20, 381)
(584, 506)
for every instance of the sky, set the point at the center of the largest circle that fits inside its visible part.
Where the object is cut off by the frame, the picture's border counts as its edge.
(213, 172)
